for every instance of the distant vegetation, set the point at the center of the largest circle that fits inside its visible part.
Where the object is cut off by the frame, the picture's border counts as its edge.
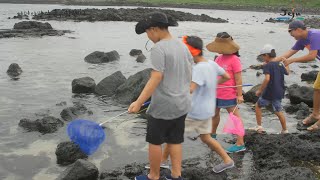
(304, 4)
(287, 3)
(34, 1)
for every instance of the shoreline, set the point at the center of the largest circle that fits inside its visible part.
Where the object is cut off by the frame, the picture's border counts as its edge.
(310, 11)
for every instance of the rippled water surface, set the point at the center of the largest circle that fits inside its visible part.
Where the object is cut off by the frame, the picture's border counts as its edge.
(49, 65)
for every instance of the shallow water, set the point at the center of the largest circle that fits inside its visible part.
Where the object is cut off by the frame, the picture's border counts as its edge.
(49, 65)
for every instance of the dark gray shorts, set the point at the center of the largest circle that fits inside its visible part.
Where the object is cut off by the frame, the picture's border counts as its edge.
(276, 104)
(161, 131)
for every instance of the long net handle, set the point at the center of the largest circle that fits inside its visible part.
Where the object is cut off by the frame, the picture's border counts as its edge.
(146, 103)
(235, 109)
(113, 118)
(243, 85)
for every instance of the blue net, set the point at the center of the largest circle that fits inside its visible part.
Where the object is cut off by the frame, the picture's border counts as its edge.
(87, 134)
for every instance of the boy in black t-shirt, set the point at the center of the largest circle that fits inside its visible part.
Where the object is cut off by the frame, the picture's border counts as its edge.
(272, 89)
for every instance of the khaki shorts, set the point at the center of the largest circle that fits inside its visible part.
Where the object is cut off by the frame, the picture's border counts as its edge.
(316, 84)
(198, 126)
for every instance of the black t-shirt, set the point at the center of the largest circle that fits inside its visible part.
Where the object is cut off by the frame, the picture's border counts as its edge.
(275, 88)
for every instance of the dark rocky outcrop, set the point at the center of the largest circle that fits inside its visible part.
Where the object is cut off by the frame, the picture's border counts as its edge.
(45, 125)
(32, 25)
(274, 154)
(122, 14)
(98, 57)
(109, 85)
(313, 22)
(20, 16)
(259, 59)
(258, 66)
(68, 152)
(141, 58)
(131, 89)
(250, 96)
(301, 110)
(296, 107)
(80, 170)
(63, 103)
(309, 76)
(259, 73)
(135, 52)
(298, 94)
(297, 173)
(14, 70)
(191, 170)
(73, 112)
(83, 85)
(32, 29)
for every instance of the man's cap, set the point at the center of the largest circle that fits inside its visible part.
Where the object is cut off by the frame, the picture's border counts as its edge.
(154, 19)
(267, 49)
(296, 24)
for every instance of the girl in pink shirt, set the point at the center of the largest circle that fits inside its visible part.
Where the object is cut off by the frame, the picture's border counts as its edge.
(228, 98)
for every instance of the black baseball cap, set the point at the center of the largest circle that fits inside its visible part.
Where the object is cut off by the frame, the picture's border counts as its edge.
(296, 24)
(154, 19)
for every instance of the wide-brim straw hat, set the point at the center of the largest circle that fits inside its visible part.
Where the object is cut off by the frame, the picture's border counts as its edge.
(223, 46)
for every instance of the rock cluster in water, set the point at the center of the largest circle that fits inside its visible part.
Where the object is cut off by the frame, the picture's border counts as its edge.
(14, 71)
(50, 124)
(31, 29)
(109, 85)
(116, 86)
(309, 76)
(45, 125)
(122, 14)
(98, 57)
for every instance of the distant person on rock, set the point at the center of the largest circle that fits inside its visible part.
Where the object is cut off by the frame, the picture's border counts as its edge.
(169, 86)
(272, 89)
(310, 39)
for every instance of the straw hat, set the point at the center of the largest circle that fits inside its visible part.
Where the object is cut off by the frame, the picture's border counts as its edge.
(223, 44)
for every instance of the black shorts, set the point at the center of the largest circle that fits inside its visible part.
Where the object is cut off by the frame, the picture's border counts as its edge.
(161, 131)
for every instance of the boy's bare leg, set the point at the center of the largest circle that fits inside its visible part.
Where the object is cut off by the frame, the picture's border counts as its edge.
(215, 121)
(165, 153)
(215, 146)
(155, 152)
(240, 139)
(175, 151)
(258, 114)
(282, 120)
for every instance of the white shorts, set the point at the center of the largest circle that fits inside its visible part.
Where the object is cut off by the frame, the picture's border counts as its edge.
(198, 126)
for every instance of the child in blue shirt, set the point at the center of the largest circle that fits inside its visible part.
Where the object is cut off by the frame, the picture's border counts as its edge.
(272, 89)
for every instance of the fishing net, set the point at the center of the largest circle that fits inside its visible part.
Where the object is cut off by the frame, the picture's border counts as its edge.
(87, 134)
(234, 125)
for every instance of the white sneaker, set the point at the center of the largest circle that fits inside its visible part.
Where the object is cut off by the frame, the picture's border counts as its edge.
(164, 165)
(258, 129)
